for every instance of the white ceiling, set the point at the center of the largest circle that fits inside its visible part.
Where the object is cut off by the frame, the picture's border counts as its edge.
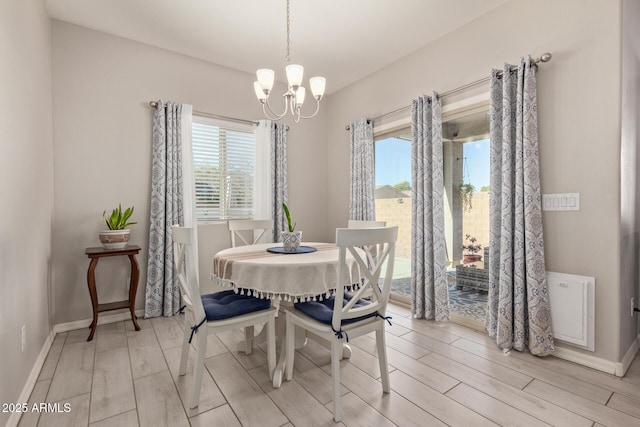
(342, 40)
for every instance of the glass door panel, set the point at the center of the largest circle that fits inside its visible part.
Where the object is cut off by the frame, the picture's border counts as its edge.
(466, 180)
(393, 202)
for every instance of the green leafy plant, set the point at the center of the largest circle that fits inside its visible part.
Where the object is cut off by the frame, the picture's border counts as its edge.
(118, 219)
(465, 191)
(288, 215)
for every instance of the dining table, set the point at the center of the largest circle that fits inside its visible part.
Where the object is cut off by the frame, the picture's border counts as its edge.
(266, 271)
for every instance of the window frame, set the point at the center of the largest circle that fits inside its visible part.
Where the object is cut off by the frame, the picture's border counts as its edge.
(220, 158)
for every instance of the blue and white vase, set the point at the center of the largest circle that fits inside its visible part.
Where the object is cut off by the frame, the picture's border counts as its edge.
(291, 240)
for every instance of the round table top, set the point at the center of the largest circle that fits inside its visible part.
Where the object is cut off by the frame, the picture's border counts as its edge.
(282, 276)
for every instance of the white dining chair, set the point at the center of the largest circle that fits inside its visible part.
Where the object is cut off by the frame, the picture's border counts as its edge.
(342, 316)
(258, 227)
(213, 313)
(356, 223)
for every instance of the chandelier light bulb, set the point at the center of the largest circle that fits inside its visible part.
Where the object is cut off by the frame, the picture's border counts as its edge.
(295, 74)
(266, 78)
(317, 85)
(257, 87)
(300, 94)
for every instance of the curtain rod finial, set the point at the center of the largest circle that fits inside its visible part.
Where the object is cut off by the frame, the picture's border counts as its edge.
(546, 57)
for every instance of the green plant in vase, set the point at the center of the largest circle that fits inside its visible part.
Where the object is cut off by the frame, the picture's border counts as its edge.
(290, 238)
(116, 236)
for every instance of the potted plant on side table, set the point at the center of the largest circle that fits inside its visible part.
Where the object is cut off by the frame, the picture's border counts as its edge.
(290, 238)
(117, 234)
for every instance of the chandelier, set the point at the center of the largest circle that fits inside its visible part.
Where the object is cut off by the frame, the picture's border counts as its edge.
(295, 95)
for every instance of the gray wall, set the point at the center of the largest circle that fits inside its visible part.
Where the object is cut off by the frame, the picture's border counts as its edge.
(102, 149)
(26, 177)
(630, 172)
(579, 125)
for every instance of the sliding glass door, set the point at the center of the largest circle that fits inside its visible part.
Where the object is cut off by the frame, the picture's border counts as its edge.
(466, 206)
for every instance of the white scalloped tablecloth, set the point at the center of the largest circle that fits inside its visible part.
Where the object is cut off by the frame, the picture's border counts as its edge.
(289, 277)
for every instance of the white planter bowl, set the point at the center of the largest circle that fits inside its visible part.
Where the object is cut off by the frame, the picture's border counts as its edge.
(114, 239)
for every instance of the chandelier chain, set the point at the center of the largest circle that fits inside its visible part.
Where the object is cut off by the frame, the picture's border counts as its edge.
(288, 36)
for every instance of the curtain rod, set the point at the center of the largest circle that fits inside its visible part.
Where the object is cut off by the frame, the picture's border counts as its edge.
(545, 57)
(154, 104)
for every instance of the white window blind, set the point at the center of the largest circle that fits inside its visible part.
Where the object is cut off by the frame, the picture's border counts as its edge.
(224, 167)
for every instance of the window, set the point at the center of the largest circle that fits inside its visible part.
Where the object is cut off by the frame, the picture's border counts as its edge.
(224, 167)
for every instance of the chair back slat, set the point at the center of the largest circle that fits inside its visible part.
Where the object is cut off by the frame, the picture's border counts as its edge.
(356, 223)
(184, 255)
(258, 226)
(351, 241)
(370, 286)
(370, 250)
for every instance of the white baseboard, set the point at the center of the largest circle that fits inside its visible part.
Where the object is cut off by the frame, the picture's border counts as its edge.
(102, 320)
(621, 368)
(585, 360)
(614, 368)
(14, 419)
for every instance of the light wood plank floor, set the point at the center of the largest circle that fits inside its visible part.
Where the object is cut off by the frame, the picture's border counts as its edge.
(441, 374)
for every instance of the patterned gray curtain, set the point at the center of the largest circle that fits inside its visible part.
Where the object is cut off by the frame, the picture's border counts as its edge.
(429, 289)
(163, 292)
(361, 192)
(279, 177)
(519, 311)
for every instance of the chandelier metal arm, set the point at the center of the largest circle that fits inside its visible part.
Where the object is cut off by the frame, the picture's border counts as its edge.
(276, 116)
(269, 116)
(301, 116)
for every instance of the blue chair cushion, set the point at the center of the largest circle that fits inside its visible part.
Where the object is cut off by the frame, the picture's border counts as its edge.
(322, 311)
(226, 304)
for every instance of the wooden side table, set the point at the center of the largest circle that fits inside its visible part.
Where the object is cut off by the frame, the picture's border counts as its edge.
(95, 254)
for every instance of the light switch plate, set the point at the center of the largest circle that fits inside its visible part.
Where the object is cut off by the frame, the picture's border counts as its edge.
(561, 202)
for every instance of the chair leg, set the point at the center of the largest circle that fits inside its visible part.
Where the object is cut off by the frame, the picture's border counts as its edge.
(382, 359)
(248, 340)
(199, 367)
(290, 349)
(336, 355)
(185, 347)
(271, 345)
